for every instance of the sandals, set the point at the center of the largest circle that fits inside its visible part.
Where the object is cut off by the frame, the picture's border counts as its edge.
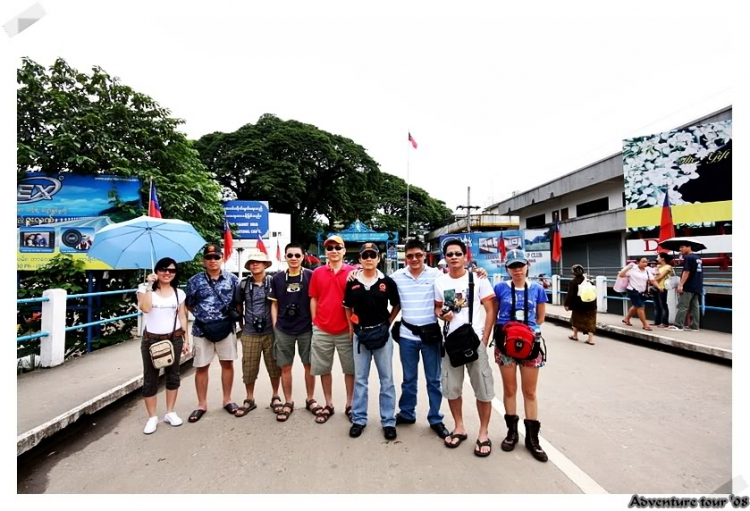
(572, 338)
(647, 328)
(196, 415)
(276, 408)
(231, 408)
(478, 451)
(627, 322)
(449, 440)
(248, 405)
(324, 414)
(283, 415)
(312, 409)
(348, 413)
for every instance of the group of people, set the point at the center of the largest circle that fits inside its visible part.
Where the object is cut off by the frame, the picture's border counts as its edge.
(337, 309)
(648, 280)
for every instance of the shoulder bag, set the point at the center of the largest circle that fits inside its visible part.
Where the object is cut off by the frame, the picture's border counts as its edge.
(461, 345)
(162, 352)
(516, 339)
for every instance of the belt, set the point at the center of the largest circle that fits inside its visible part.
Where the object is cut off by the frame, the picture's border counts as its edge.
(163, 337)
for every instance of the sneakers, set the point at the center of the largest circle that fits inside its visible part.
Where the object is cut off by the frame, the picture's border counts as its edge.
(151, 424)
(674, 328)
(389, 432)
(173, 419)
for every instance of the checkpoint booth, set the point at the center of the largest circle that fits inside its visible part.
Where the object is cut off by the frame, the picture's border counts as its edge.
(358, 233)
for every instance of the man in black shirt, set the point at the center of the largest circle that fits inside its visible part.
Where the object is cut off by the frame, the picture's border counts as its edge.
(689, 290)
(366, 303)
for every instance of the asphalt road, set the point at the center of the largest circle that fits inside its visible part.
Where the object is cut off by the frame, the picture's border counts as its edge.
(620, 418)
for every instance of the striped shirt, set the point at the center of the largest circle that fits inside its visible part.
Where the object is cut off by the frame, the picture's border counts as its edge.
(417, 296)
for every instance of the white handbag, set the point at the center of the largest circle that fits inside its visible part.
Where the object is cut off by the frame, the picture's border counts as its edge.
(162, 354)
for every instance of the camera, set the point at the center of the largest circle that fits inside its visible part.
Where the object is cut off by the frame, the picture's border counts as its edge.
(292, 310)
(445, 310)
(259, 324)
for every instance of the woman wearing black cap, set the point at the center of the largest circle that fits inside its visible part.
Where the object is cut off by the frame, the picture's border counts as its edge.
(583, 315)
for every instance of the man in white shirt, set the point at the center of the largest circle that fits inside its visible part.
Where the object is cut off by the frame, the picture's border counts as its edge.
(452, 306)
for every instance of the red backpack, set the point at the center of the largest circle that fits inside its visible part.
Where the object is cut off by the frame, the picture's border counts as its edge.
(515, 339)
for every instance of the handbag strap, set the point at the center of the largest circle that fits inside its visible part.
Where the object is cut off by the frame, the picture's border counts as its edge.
(176, 313)
(525, 301)
(213, 288)
(471, 297)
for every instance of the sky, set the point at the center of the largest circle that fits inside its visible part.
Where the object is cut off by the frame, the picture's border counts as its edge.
(499, 98)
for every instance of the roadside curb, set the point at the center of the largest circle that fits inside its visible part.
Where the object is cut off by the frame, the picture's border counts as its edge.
(650, 337)
(33, 437)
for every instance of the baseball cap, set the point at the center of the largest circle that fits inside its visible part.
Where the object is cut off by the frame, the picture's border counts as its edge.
(334, 239)
(372, 247)
(212, 249)
(515, 256)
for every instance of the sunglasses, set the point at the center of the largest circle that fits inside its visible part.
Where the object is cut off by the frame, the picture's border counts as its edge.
(329, 248)
(368, 255)
(414, 256)
(212, 258)
(516, 266)
(454, 254)
(294, 256)
(167, 270)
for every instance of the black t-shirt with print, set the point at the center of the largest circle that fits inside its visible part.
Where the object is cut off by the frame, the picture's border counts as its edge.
(371, 306)
(287, 290)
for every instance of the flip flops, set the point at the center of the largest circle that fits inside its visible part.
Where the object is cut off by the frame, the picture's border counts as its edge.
(248, 405)
(627, 322)
(572, 338)
(196, 415)
(283, 415)
(231, 408)
(348, 412)
(459, 437)
(478, 451)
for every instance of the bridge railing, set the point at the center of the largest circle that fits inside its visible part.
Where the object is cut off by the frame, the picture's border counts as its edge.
(53, 329)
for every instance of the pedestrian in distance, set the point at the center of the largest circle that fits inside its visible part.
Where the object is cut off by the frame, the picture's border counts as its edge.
(331, 332)
(210, 297)
(292, 325)
(455, 294)
(254, 307)
(658, 283)
(164, 318)
(366, 303)
(530, 300)
(689, 291)
(638, 277)
(583, 314)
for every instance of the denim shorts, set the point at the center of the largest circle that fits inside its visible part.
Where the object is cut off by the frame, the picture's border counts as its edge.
(636, 298)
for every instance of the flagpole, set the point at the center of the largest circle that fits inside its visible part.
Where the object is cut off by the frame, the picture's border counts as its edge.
(408, 155)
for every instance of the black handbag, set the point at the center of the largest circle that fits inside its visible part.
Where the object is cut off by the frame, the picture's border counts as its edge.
(374, 337)
(428, 334)
(463, 343)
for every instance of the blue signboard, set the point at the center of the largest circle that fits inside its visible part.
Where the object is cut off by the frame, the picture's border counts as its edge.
(251, 218)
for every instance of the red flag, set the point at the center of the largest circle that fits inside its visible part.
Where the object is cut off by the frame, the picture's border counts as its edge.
(278, 250)
(556, 243)
(154, 209)
(503, 250)
(468, 254)
(666, 229)
(413, 142)
(261, 246)
(228, 241)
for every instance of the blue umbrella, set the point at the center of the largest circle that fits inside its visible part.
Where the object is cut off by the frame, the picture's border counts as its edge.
(138, 243)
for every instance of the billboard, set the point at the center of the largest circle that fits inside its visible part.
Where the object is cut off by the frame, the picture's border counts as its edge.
(692, 167)
(62, 213)
(486, 251)
(251, 218)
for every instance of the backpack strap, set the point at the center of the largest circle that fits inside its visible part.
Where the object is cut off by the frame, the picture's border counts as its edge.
(471, 297)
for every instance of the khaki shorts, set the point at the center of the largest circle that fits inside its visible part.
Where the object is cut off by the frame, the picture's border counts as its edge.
(322, 348)
(284, 347)
(252, 346)
(480, 375)
(204, 350)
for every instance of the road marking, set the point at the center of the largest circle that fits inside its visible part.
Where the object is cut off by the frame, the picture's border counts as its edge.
(567, 467)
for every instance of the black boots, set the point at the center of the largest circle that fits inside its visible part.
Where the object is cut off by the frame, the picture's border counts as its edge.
(532, 439)
(512, 439)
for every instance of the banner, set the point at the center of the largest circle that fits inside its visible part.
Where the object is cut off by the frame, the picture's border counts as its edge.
(250, 217)
(486, 253)
(62, 213)
(693, 166)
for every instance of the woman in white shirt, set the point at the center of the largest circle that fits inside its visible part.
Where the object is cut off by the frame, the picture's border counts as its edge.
(638, 277)
(165, 317)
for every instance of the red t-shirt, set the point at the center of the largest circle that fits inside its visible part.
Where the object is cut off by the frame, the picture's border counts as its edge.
(328, 289)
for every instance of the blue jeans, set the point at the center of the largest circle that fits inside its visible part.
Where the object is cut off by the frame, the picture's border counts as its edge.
(383, 362)
(661, 309)
(410, 351)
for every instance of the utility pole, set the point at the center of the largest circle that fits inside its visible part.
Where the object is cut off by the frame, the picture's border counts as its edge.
(468, 207)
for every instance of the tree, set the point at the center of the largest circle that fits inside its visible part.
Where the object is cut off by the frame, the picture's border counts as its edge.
(301, 170)
(425, 213)
(68, 121)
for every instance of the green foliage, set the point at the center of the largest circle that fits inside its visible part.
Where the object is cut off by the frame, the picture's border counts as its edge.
(68, 121)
